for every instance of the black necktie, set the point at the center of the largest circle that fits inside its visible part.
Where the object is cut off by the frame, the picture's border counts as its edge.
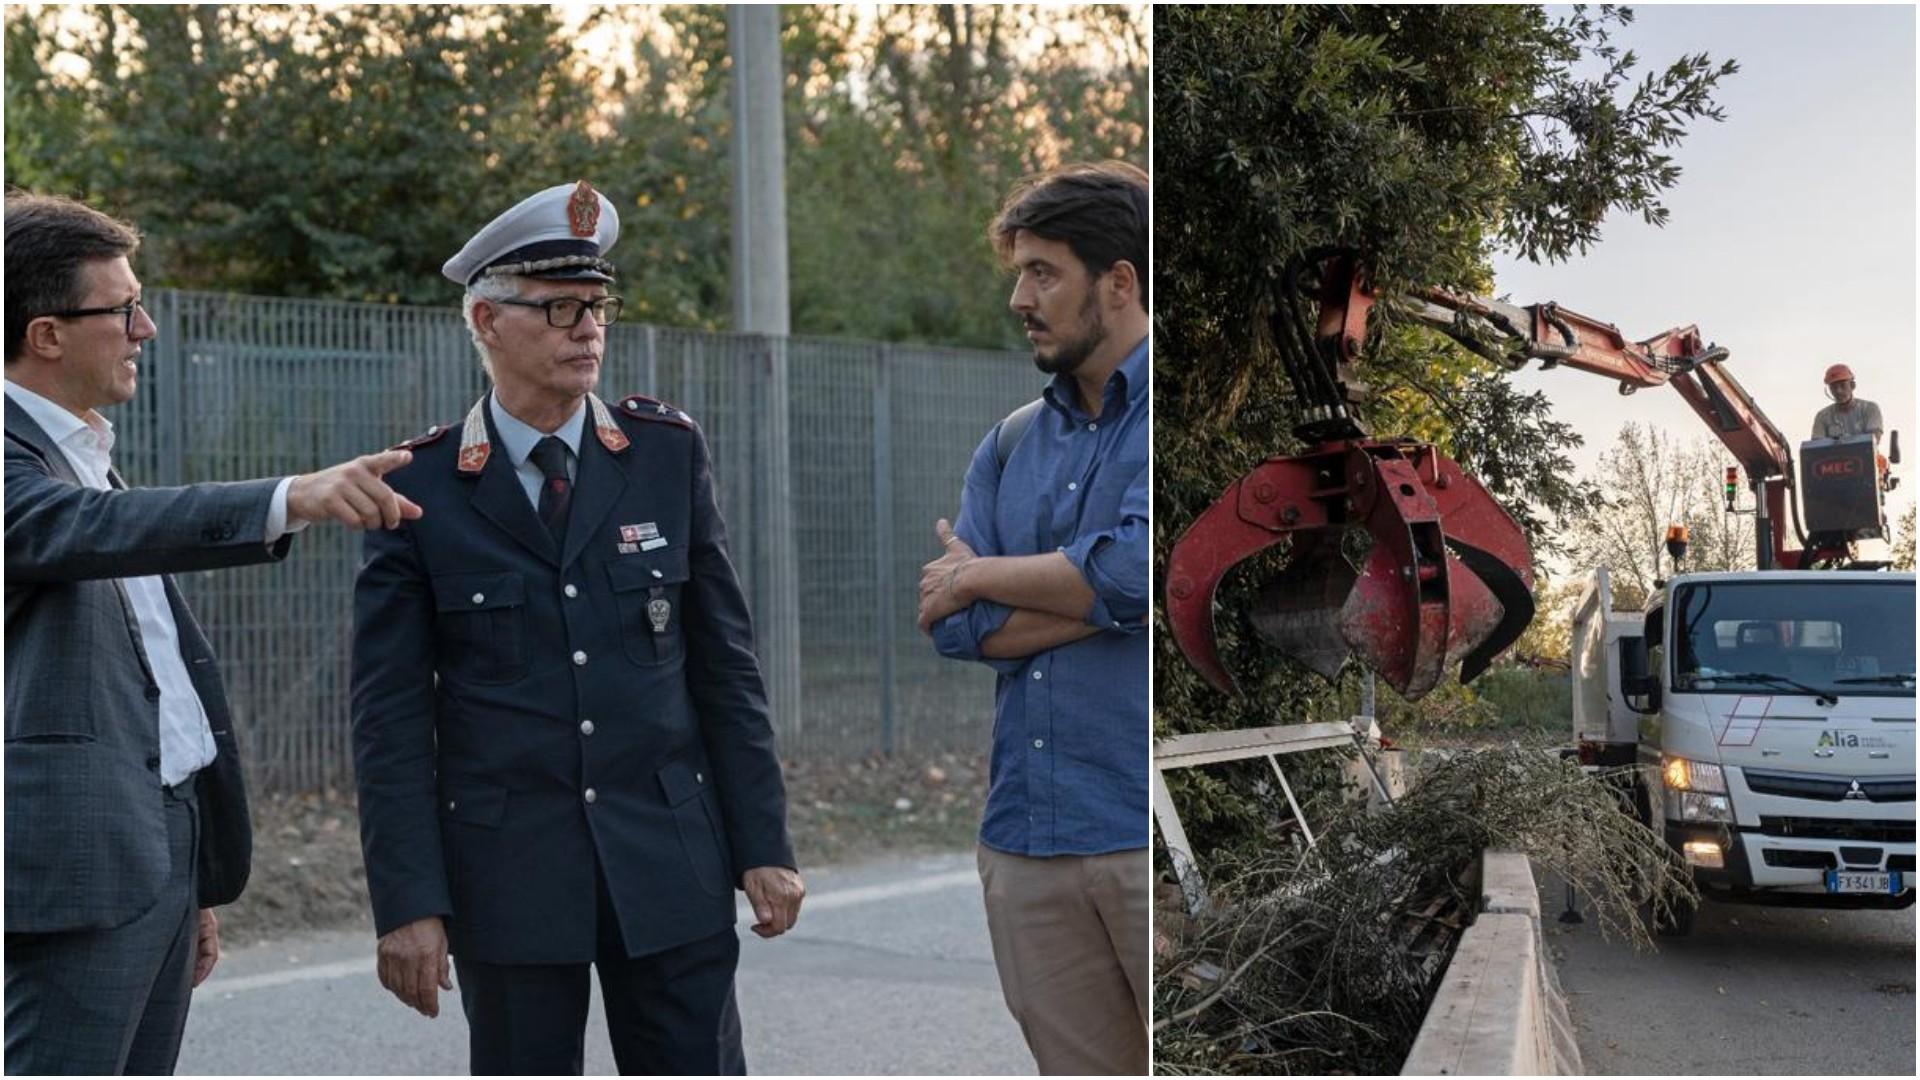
(556, 491)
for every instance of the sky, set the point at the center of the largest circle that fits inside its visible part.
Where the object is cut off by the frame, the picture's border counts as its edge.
(1791, 240)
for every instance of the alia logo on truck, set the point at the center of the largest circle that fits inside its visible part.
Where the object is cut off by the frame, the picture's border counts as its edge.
(1848, 740)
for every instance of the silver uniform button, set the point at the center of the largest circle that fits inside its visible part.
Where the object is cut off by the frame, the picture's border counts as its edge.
(591, 797)
(1036, 675)
(571, 592)
(451, 804)
(1039, 744)
(479, 598)
(1073, 485)
(1093, 427)
(657, 573)
(586, 727)
(699, 778)
(433, 429)
(580, 658)
(634, 404)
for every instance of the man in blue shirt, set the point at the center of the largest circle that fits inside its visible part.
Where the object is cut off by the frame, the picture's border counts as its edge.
(1045, 579)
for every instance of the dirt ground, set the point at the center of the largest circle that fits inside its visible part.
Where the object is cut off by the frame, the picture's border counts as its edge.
(308, 873)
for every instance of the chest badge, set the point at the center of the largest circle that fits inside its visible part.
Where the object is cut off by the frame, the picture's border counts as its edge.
(642, 537)
(659, 610)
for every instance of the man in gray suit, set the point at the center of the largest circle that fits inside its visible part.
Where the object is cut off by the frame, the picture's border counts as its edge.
(126, 818)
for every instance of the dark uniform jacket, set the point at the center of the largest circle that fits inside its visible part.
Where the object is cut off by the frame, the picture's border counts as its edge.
(524, 714)
(86, 831)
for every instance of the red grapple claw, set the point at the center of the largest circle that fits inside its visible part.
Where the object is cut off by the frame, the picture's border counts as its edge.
(1398, 558)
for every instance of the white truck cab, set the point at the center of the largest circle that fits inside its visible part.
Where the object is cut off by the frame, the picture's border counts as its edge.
(1772, 716)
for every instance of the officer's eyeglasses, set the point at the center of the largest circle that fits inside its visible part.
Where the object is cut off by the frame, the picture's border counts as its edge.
(565, 312)
(125, 311)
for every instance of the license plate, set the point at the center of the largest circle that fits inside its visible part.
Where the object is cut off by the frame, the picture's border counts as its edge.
(1853, 881)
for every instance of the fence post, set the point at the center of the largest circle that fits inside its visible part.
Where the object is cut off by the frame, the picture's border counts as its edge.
(170, 372)
(782, 619)
(652, 383)
(883, 535)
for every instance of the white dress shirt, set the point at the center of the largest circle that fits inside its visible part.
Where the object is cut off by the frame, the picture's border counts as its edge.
(186, 739)
(520, 438)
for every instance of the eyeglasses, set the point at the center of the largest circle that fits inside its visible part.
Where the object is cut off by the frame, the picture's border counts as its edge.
(124, 310)
(565, 312)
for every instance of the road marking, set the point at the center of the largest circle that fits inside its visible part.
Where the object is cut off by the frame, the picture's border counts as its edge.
(839, 898)
(868, 894)
(338, 970)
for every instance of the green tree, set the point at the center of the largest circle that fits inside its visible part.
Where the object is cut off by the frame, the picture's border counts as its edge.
(348, 151)
(1425, 136)
(1650, 480)
(1902, 545)
(908, 125)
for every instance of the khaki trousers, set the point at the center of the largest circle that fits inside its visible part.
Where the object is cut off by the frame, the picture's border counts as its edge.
(1070, 939)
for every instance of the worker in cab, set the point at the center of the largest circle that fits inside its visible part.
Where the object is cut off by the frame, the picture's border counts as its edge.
(1848, 415)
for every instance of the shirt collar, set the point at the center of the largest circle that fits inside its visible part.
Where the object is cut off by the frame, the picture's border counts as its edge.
(520, 437)
(1063, 392)
(59, 424)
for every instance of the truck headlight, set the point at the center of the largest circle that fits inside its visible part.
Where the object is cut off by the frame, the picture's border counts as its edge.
(1682, 774)
(1696, 806)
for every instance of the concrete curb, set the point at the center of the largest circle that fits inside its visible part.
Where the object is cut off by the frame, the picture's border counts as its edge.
(1499, 1010)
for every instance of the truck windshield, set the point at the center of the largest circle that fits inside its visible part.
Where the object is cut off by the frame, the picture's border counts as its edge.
(1848, 637)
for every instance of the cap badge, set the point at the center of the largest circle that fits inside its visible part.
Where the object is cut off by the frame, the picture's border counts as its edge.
(583, 210)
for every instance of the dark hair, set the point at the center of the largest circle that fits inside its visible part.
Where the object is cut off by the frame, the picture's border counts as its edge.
(49, 238)
(1099, 211)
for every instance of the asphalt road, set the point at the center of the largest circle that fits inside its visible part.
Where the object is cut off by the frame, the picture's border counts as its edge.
(889, 971)
(1752, 990)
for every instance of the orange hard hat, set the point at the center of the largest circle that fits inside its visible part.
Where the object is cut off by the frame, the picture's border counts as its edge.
(1839, 373)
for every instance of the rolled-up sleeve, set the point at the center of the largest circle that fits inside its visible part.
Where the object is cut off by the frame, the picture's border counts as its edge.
(958, 636)
(1114, 562)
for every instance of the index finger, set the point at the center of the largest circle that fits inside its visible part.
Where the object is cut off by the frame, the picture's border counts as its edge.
(386, 461)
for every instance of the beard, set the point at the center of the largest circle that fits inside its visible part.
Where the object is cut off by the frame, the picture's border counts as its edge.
(1069, 354)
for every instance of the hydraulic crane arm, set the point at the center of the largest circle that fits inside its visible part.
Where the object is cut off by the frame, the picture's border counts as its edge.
(1396, 555)
(1555, 335)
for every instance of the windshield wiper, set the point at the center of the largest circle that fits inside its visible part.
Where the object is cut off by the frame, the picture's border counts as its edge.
(1822, 696)
(1889, 679)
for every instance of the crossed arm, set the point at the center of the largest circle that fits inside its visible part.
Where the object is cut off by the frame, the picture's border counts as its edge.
(1009, 607)
(1049, 598)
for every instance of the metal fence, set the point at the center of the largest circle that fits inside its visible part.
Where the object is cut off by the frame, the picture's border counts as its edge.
(832, 458)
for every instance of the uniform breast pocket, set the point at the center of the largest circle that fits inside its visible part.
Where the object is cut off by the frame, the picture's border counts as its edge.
(648, 590)
(482, 625)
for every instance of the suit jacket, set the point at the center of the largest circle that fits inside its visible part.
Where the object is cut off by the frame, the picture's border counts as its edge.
(85, 827)
(523, 714)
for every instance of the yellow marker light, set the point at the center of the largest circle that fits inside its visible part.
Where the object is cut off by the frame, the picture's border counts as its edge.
(1676, 774)
(1705, 853)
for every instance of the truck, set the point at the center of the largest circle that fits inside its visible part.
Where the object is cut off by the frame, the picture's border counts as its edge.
(1768, 720)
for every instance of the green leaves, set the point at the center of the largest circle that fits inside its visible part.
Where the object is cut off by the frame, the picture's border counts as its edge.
(348, 152)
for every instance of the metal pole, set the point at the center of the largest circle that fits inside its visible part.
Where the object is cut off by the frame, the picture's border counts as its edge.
(1762, 529)
(883, 535)
(759, 171)
(759, 274)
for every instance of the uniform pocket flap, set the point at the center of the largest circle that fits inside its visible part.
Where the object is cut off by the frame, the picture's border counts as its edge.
(682, 780)
(473, 802)
(667, 566)
(479, 592)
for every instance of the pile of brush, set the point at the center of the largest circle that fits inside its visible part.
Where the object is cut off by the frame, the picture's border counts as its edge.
(1324, 961)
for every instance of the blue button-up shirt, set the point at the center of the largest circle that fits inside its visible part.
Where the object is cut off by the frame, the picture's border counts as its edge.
(1070, 736)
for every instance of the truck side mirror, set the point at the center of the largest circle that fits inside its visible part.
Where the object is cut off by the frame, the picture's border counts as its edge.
(1893, 447)
(1638, 689)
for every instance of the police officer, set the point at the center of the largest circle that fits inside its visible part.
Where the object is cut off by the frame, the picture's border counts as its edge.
(561, 736)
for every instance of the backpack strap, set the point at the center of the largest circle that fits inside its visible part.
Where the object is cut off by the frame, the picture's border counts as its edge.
(1013, 429)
